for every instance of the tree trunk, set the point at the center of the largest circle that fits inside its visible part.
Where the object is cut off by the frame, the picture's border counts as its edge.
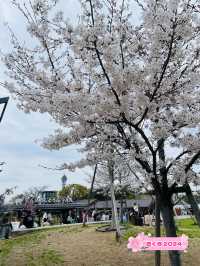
(157, 230)
(121, 210)
(89, 195)
(166, 208)
(193, 203)
(113, 220)
(115, 215)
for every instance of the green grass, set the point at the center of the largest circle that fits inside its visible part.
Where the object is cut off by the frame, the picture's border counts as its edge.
(7, 245)
(188, 227)
(184, 226)
(187, 223)
(135, 230)
(23, 241)
(31, 239)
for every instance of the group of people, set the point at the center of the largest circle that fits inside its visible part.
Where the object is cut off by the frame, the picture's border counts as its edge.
(88, 216)
(131, 216)
(28, 220)
(100, 215)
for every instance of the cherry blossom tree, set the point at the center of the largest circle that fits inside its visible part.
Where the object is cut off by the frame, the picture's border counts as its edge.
(108, 78)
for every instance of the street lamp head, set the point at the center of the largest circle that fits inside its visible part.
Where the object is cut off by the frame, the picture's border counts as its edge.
(4, 102)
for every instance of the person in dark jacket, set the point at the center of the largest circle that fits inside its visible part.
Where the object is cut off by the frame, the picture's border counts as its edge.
(6, 227)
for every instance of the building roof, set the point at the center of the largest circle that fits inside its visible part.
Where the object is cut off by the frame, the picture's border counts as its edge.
(48, 191)
(107, 204)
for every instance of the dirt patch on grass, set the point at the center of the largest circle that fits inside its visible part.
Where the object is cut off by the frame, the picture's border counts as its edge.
(86, 247)
(91, 248)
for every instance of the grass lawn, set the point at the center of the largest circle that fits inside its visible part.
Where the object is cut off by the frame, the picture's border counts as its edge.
(78, 246)
(184, 226)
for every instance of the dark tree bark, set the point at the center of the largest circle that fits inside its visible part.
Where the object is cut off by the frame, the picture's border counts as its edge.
(89, 195)
(166, 208)
(164, 204)
(193, 203)
(157, 230)
(188, 191)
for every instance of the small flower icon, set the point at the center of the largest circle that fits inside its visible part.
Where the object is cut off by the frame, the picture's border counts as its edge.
(136, 244)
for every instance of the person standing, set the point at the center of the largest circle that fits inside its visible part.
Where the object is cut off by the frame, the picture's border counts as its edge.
(93, 215)
(6, 227)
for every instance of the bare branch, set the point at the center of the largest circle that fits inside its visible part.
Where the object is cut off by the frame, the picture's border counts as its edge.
(176, 159)
(192, 161)
(140, 4)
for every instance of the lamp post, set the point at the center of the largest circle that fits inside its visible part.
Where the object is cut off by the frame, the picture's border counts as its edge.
(5, 229)
(4, 102)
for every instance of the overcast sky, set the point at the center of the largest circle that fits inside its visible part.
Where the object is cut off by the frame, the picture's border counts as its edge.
(18, 131)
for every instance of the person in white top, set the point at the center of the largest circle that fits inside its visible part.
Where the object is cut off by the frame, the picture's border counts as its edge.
(103, 218)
